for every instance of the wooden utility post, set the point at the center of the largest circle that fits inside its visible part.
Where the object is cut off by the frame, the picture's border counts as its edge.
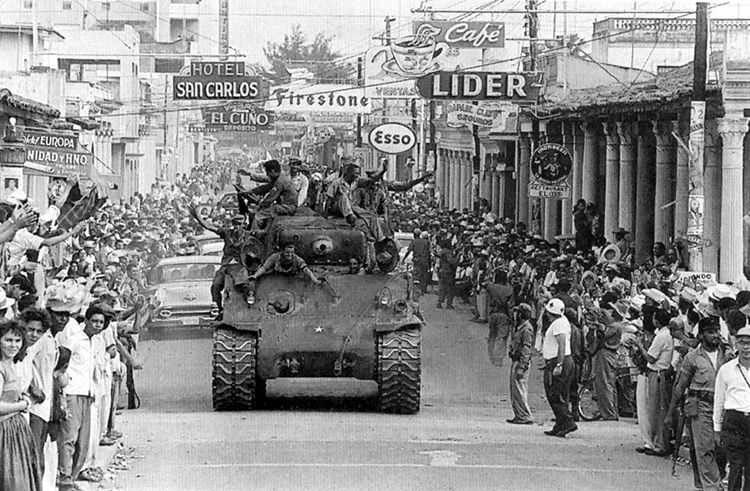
(360, 83)
(696, 196)
(533, 21)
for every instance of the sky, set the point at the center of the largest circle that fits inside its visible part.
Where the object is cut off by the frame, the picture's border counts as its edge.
(353, 23)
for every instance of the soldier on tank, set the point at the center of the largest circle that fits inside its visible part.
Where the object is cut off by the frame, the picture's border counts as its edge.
(235, 238)
(279, 195)
(375, 195)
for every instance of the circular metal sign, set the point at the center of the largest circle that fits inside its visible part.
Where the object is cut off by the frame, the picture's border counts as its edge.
(551, 163)
(392, 138)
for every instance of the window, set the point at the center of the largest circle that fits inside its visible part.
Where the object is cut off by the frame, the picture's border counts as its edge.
(67, 5)
(144, 7)
(27, 4)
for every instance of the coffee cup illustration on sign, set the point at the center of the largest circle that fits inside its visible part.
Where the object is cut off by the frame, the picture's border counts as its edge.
(413, 55)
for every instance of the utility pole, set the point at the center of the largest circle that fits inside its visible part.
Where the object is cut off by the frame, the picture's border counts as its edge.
(162, 166)
(696, 197)
(360, 83)
(533, 21)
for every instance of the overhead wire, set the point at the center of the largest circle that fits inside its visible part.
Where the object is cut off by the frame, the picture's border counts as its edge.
(389, 82)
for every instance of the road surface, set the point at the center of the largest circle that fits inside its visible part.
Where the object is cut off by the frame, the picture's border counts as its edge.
(459, 440)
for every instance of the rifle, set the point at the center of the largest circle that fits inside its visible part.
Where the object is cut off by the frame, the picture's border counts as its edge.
(678, 436)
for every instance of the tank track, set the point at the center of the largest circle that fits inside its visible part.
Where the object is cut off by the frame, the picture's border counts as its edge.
(399, 371)
(234, 366)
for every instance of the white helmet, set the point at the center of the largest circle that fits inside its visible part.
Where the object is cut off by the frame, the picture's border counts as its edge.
(555, 306)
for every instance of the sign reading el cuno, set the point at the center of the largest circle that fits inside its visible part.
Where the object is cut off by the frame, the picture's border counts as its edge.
(480, 86)
(237, 116)
(551, 164)
(216, 80)
(464, 34)
(392, 138)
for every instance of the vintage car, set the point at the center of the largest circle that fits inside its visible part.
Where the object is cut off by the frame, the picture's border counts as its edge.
(182, 286)
(212, 248)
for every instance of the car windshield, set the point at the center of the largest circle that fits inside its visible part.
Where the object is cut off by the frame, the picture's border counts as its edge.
(185, 272)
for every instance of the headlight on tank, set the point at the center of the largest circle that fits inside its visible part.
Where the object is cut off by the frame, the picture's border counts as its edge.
(400, 306)
(385, 296)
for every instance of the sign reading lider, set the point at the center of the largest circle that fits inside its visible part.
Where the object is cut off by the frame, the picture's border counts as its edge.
(392, 138)
(237, 117)
(551, 164)
(216, 81)
(329, 98)
(480, 86)
(464, 34)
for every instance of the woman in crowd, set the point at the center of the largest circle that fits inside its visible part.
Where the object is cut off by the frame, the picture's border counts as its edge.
(19, 460)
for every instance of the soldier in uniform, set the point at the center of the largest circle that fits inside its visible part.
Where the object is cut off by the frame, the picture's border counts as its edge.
(279, 195)
(235, 238)
(698, 376)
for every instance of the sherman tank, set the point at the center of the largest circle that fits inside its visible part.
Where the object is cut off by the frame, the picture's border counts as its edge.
(353, 325)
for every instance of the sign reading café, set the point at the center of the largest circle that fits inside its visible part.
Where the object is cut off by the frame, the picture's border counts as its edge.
(475, 34)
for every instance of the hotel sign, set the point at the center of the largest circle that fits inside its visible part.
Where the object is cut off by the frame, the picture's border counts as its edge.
(216, 81)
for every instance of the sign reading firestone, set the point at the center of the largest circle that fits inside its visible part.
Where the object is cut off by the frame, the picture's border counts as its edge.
(216, 81)
(466, 34)
(480, 86)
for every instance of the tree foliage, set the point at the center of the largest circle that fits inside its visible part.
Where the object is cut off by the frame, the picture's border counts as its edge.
(317, 55)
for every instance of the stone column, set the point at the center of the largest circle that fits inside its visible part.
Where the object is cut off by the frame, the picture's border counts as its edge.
(626, 211)
(644, 200)
(732, 132)
(465, 181)
(611, 181)
(682, 179)
(522, 196)
(589, 174)
(746, 199)
(577, 181)
(550, 217)
(602, 171)
(568, 130)
(665, 186)
(713, 194)
(453, 181)
(439, 178)
(496, 196)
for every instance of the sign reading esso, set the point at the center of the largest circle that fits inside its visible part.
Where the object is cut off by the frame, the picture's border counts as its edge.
(392, 138)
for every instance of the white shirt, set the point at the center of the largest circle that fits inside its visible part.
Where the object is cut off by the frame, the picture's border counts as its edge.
(82, 359)
(713, 356)
(22, 241)
(43, 367)
(661, 348)
(550, 345)
(731, 391)
(300, 182)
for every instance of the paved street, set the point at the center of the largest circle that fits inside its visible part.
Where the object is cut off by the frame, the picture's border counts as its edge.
(458, 441)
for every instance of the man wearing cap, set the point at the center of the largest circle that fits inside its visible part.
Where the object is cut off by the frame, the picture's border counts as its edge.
(299, 180)
(731, 414)
(558, 372)
(235, 238)
(520, 349)
(279, 195)
(698, 376)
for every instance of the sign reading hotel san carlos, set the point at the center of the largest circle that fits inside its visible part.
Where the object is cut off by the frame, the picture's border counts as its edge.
(392, 138)
(551, 164)
(463, 34)
(480, 86)
(208, 80)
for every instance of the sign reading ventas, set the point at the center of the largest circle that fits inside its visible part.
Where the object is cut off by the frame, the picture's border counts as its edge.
(465, 34)
(216, 81)
(480, 86)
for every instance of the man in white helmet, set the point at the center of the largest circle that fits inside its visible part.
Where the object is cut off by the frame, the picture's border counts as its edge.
(559, 370)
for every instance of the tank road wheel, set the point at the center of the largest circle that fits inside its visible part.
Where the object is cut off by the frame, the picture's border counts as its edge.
(234, 362)
(399, 371)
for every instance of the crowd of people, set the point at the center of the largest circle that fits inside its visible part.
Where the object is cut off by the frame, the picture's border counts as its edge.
(72, 305)
(597, 317)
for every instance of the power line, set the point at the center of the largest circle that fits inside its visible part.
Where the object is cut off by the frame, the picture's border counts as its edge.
(86, 12)
(389, 82)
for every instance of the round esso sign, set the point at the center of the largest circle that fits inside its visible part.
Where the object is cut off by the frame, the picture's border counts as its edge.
(392, 138)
